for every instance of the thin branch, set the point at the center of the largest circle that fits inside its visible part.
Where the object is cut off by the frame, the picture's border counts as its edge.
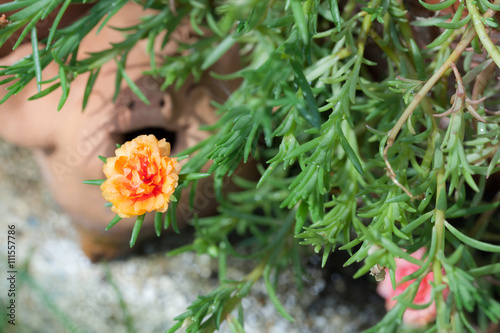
(437, 267)
(461, 46)
(460, 99)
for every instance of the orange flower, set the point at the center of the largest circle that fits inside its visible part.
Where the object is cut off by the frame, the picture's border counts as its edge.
(141, 178)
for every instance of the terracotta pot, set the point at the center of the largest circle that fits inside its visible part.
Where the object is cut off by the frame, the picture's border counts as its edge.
(67, 143)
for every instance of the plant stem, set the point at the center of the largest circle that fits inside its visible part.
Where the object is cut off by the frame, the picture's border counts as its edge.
(436, 263)
(461, 46)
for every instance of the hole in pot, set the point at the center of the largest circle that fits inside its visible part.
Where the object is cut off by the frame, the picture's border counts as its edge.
(160, 133)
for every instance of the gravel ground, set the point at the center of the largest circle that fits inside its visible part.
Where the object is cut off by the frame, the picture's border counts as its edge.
(59, 290)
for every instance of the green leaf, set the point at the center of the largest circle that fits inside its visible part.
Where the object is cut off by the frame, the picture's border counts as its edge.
(438, 6)
(471, 210)
(137, 229)
(12, 5)
(55, 24)
(442, 201)
(485, 270)
(282, 22)
(218, 52)
(158, 223)
(35, 8)
(36, 58)
(119, 77)
(454, 258)
(353, 79)
(212, 24)
(49, 8)
(472, 242)
(7, 95)
(302, 149)
(114, 221)
(418, 59)
(310, 112)
(45, 92)
(334, 9)
(430, 22)
(150, 49)
(417, 222)
(90, 84)
(135, 89)
(7, 80)
(272, 295)
(94, 181)
(192, 176)
(494, 161)
(455, 25)
(488, 4)
(300, 20)
(351, 155)
(117, 5)
(476, 47)
(65, 88)
(177, 325)
(301, 216)
(29, 28)
(235, 326)
(447, 33)
(170, 218)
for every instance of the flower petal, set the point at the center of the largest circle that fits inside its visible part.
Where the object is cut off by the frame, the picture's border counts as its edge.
(141, 177)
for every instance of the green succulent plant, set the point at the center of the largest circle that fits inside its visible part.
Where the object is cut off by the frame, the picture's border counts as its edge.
(372, 124)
